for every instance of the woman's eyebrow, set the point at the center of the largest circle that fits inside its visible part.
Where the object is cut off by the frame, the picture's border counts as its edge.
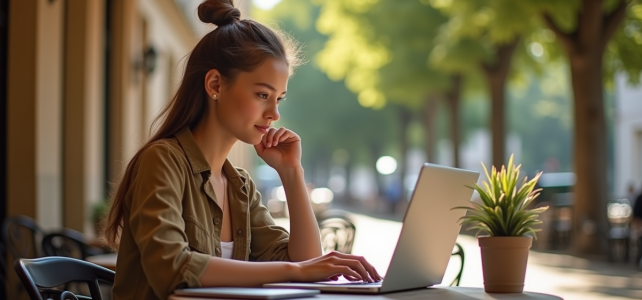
(268, 86)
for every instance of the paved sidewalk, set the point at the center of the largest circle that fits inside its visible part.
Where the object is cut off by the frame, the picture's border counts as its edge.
(562, 275)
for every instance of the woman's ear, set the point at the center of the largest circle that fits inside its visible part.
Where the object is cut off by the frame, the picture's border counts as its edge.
(213, 82)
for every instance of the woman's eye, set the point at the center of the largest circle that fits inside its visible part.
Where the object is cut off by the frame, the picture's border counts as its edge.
(279, 100)
(263, 96)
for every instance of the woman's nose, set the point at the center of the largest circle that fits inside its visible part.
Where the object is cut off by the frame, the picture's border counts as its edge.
(273, 113)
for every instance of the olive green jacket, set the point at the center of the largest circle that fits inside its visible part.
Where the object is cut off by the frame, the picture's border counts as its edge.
(172, 223)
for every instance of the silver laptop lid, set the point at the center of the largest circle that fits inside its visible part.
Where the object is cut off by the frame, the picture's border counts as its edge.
(430, 228)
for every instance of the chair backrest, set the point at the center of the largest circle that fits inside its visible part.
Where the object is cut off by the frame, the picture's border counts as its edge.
(40, 274)
(69, 243)
(337, 234)
(459, 252)
(619, 212)
(21, 236)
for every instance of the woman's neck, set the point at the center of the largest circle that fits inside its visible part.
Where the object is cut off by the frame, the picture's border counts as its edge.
(214, 142)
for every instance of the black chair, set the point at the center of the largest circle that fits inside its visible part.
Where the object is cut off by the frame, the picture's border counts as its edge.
(618, 235)
(39, 276)
(561, 225)
(21, 236)
(459, 252)
(337, 232)
(69, 243)
(638, 257)
(3, 270)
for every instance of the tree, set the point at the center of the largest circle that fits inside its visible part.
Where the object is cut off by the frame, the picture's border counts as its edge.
(463, 40)
(484, 35)
(384, 60)
(359, 52)
(586, 29)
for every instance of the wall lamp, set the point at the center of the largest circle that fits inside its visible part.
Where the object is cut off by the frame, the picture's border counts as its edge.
(148, 62)
(150, 59)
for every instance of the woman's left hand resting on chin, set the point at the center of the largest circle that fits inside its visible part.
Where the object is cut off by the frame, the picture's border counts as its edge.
(280, 149)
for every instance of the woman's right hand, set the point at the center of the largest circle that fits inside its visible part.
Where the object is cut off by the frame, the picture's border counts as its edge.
(335, 264)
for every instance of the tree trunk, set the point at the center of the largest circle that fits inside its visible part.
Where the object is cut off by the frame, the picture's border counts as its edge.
(348, 189)
(496, 74)
(404, 121)
(453, 97)
(428, 118)
(375, 153)
(322, 169)
(585, 49)
(589, 152)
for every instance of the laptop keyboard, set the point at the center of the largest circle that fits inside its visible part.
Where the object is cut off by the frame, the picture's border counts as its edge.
(351, 283)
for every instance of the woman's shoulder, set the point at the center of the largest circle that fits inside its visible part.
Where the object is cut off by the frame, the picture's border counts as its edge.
(245, 175)
(166, 148)
(159, 157)
(242, 171)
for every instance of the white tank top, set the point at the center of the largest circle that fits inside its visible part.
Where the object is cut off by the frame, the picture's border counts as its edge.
(226, 249)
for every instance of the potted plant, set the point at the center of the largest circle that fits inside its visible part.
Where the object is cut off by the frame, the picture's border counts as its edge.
(509, 224)
(98, 212)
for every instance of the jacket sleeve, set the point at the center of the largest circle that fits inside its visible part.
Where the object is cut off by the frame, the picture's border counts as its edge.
(157, 225)
(269, 242)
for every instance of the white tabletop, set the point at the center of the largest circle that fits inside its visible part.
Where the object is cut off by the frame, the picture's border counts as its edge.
(441, 292)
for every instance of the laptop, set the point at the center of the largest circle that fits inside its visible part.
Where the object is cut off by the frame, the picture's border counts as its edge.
(428, 235)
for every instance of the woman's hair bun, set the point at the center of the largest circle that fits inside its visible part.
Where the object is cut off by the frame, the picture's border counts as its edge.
(218, 12)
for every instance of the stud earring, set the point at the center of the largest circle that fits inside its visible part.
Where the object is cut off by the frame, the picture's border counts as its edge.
(214, 96)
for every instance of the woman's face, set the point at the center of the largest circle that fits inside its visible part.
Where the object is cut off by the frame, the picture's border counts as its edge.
(248, 106)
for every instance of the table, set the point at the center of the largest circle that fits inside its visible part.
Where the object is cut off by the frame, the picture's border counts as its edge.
(104, 260)
(439, 292)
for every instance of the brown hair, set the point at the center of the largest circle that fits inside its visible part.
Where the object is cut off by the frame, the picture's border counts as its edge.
(234, 46)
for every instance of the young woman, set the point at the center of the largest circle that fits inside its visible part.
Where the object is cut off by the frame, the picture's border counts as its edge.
(182, 215)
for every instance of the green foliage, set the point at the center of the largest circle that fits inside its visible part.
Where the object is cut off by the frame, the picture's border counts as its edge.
(351, 53)
(498, 20)
(474, 32)
(622, 54)
(99, 211)
(408, 29)
(504, 211)
(380, 49)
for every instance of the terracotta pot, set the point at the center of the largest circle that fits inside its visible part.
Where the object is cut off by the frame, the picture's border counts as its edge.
(504, 261)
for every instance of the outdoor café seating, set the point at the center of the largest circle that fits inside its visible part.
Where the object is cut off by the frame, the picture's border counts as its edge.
(619, 232)
(69, 243)
(337, 232)
(40, 276)
(22, 237)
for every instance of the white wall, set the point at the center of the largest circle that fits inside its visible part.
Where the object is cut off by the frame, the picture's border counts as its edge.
(172, 47)
(628, 136)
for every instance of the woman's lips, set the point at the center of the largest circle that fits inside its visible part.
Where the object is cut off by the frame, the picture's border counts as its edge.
(262, 129)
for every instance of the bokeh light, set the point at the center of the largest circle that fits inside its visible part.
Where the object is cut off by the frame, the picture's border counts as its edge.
(386, 165)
